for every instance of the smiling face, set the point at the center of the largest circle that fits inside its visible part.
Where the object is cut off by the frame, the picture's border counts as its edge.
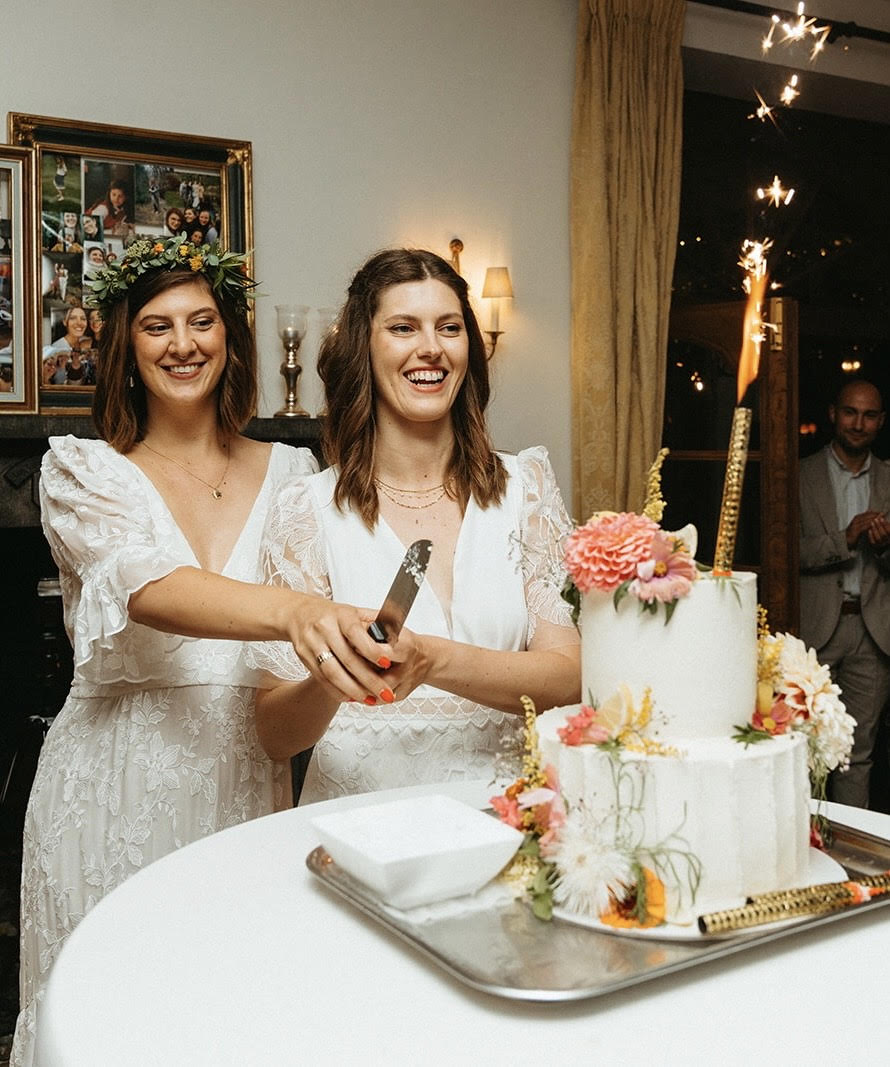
(419, 351)
(179, 345)
(857, 416)
(75, 323)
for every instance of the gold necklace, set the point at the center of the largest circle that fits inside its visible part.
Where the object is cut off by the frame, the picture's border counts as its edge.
(385, 489)
(215, 490)
(409, 492)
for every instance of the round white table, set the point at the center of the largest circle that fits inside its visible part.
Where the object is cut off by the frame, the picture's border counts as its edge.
(230, 952)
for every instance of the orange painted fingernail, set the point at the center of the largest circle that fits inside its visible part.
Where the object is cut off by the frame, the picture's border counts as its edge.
(384, 663)
(370, 700)
(387, 695)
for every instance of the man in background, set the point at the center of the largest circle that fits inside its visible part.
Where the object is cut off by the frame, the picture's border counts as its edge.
(845, 572)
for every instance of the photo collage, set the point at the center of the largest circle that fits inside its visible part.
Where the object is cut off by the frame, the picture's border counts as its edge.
(91, 210)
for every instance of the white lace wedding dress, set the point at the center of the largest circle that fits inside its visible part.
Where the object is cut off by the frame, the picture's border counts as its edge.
(155, 745)
(507, 576)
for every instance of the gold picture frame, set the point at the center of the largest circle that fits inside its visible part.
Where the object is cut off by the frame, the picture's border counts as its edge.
(95, 188)
(18, 337)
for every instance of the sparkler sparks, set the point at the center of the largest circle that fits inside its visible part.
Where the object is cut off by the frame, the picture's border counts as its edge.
(798, 30)
(764, 111)
(790, 92)
(776, 194)
(792, 31)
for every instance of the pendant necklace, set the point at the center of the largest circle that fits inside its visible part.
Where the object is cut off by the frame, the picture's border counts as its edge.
(215, 490)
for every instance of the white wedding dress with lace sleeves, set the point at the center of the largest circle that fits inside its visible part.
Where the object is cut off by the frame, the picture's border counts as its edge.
(156, 744)
(507, 575)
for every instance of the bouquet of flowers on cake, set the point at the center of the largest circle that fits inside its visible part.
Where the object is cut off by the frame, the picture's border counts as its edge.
(628, 554)
(795, 692)
(591, 863)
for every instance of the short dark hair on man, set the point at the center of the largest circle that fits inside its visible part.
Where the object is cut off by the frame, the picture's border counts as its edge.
(850, 383)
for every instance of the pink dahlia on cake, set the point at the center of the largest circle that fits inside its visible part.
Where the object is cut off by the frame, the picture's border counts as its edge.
(606, 550)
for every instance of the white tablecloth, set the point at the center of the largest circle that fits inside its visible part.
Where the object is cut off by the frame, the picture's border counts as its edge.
(229, 952)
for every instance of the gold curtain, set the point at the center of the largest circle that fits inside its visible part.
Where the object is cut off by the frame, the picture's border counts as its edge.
(625, 203)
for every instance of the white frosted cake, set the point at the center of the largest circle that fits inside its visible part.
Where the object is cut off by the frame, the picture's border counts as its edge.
(729, 819)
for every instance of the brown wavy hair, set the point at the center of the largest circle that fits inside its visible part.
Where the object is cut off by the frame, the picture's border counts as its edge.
(344, 365)
(120, 411)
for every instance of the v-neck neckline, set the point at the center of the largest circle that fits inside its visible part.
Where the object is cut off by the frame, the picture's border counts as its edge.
(446, 615)
(237, 542)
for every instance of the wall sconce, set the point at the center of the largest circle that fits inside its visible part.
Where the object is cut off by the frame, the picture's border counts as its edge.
(496, 288)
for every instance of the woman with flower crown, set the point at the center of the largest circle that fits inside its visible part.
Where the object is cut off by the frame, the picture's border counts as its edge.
(406, 383)
(156, 531)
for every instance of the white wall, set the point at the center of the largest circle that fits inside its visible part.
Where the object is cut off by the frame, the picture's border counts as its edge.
(373, 123)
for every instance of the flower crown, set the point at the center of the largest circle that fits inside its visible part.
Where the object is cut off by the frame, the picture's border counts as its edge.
(226, 271)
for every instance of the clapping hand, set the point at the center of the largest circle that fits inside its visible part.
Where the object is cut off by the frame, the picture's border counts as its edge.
(871, 524)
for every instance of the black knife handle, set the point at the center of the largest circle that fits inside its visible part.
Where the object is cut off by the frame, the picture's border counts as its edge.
(377, 632)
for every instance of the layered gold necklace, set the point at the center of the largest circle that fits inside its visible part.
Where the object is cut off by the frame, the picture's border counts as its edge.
(404, 498)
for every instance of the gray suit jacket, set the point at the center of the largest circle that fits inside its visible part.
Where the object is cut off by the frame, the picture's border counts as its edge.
(824, 556)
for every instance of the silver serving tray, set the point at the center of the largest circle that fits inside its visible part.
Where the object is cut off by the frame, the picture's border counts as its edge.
(507, 952)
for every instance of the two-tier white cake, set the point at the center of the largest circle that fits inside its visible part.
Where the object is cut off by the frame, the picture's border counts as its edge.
(742, 812)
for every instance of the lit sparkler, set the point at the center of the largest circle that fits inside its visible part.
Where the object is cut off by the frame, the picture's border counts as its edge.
(753, 261)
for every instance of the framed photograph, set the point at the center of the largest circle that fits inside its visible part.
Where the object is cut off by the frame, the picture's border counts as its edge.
(95, 189)
(18, 372)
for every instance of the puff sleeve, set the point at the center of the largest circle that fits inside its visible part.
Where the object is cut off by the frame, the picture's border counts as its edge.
(293, 555)
(103, 536)
(544, 527)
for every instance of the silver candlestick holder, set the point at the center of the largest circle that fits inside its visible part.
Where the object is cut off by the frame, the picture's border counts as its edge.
(291, 330)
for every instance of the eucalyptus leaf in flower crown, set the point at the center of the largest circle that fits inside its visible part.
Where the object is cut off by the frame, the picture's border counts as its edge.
(225, 271)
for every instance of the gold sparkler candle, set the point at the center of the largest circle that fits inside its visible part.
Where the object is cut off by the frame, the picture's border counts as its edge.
(791, 904)
(730, 506)
(880, 883)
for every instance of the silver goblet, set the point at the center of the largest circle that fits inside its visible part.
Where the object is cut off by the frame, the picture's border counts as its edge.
(291, 330)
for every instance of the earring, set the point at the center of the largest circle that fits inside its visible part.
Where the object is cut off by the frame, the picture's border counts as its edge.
(130, 383)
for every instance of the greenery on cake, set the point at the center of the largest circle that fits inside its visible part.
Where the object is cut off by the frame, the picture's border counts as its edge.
(591, 863)
(795, 693)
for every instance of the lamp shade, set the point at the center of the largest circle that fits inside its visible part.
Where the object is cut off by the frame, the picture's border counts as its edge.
(497, 282)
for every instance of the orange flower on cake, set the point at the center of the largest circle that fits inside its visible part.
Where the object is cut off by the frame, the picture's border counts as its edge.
(605, 551)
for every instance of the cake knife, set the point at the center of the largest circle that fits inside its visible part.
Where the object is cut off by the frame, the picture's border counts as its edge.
(402, 592)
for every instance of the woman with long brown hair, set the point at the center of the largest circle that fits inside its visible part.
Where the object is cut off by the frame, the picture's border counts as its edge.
(156, 530)
(406, 383)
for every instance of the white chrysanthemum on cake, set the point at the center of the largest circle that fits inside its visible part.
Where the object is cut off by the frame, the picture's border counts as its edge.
(795, 692)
